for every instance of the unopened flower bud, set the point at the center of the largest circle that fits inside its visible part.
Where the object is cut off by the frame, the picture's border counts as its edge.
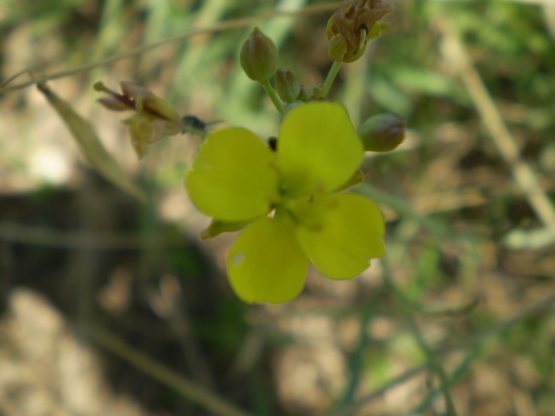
(258, 56)
(382, 132)
(305, 95)
(287, 85)
(337, 47)
(318, 92)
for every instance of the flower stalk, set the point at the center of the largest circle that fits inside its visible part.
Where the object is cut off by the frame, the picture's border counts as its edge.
(273, 96)
(332, 75)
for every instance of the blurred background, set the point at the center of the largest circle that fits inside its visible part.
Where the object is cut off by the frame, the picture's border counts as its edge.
(109, 306)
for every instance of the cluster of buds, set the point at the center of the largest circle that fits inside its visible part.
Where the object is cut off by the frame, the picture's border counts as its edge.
(259, 57)
(351, 27)
(348, 30)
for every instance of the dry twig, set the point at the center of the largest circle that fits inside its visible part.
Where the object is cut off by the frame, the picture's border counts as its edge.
(455, 51)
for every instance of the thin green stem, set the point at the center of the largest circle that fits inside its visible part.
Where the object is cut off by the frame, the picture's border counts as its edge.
(330, 78)
(457, 374)
(435, 367)
(433, 363)
(218, 27)
(357, 358)
(473, 341)
(273, 96)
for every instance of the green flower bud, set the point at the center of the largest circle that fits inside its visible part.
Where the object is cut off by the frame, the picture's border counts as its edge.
(318, 92)
(337, 47)
(258, 56)
(287, 85)
(382, 132)
(305, 95)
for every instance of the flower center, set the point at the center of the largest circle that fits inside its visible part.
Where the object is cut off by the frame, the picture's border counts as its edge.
(302, 211)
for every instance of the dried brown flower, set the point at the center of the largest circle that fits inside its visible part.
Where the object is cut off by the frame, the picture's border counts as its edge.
(351, 27)
(154, 117)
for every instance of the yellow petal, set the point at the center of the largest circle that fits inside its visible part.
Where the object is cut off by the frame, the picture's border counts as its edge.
(343, 233)
(318, 148)
(232, 178)
(266, 263)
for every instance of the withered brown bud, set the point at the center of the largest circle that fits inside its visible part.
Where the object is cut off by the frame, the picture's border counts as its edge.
(153, 116)
(113, 104)
(351, 27)
(137, 98)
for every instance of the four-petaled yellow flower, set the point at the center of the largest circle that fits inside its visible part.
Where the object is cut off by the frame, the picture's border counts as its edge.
(291, 200)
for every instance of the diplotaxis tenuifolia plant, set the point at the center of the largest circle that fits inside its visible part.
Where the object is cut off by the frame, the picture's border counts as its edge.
(288, 196)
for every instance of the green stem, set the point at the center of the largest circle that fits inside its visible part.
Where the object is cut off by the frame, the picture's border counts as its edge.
(332, 74)
(433, 363)
(357, 358)
(459, 372)
(273, 96)
(474, 341)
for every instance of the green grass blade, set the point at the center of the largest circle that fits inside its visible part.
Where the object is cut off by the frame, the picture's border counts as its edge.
(90, 145)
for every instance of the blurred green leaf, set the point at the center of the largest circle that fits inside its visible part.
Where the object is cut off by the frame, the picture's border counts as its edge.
(389, 97)
(90, 145)
(424, 81)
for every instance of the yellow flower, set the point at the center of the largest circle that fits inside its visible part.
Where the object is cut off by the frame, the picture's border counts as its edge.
(290, 201)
